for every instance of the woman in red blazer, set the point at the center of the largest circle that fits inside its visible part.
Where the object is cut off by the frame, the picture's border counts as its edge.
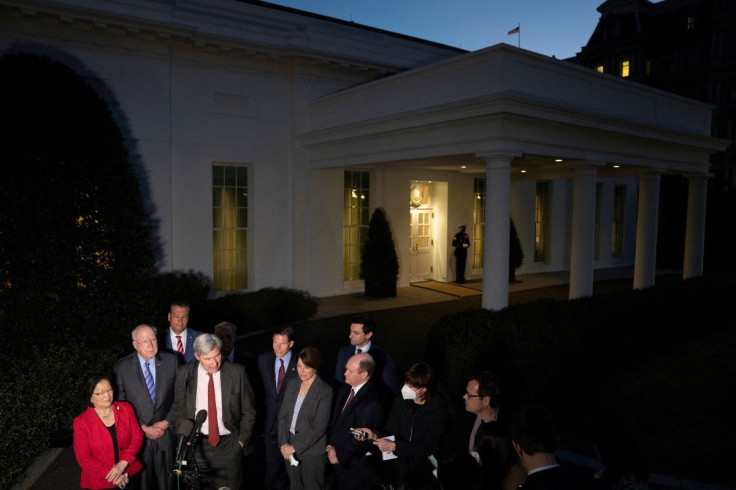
(107, 439)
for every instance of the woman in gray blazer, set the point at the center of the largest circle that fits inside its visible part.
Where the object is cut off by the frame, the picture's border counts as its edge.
(303, 419)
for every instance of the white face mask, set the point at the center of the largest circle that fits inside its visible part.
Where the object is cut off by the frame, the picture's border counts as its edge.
(408, 393)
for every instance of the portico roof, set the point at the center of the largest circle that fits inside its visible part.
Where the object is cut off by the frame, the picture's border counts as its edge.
(503, 99)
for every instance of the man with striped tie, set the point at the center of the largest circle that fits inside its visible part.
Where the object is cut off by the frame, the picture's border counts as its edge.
(178, 338)
(146, 378)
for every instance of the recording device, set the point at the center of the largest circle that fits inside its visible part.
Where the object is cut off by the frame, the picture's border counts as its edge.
(432, 460)
(184, 429)
(357, 432)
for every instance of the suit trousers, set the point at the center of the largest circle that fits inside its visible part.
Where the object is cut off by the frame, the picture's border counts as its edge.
(221, 463)
(158, 460)
(276, 474)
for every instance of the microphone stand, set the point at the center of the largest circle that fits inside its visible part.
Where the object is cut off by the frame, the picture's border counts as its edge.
(189, 476)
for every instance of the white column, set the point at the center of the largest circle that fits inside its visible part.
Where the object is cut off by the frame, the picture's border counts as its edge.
(695, 230)
(583, 231)
(645, 260)
(496, 236)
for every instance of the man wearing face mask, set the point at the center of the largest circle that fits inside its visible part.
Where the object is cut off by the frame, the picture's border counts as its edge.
(417, 422)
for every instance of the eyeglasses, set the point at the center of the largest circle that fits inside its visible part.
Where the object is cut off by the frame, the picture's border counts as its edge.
(100, 393)
(147, 341)
(473, 396)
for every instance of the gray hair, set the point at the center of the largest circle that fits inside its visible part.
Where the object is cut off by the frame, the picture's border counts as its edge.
(132, 334)
(204, 343)
(228, 324)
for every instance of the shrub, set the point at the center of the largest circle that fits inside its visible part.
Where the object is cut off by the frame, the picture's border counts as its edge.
(259, 310)
(551, 348)
(379, 265)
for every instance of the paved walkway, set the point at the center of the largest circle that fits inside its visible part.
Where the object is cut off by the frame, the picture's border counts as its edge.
(58, 468)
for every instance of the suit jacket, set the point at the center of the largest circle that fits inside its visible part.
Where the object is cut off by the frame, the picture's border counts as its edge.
(164, 342)
(457, 437)
(266, 363)
(131, 386)
(364, 411)
(311, 424)
(93, 444)
(560, 478)
(238, 413)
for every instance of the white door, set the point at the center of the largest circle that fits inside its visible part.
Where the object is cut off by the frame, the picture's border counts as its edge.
(422, 244)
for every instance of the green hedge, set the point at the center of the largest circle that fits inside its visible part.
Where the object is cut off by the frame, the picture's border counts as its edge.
(41, 392)
(546, 349)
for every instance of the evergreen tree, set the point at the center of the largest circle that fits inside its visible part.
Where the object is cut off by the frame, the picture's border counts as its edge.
(516, 253)
(379, 265)
(75, 241)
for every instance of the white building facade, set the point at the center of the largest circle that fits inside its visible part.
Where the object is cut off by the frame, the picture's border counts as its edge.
(265, 137)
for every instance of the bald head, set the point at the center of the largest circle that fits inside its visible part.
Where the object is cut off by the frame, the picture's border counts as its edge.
(144, 341)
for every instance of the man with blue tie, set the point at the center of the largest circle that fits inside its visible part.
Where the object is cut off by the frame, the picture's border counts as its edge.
(178, 338)
(145, 378)
(276, 368)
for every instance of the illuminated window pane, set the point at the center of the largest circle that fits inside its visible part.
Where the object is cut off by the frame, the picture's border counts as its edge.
(230, 227)
(599, 68)
(625, 67)
(356, 216)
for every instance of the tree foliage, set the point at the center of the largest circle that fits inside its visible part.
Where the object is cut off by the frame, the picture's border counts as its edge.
(379, 265)
(75, 241)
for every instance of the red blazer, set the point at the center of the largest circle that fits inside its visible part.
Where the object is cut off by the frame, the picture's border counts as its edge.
(93, 445)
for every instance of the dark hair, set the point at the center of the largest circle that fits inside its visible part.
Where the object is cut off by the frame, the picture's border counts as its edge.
(534, 430)
(420, 375)
(288, 331)
(497, 454)
(180, 304)
(229, 325)
(91, 384)
(369, 325)
(367, 364)
(488, 385)
(311, 357)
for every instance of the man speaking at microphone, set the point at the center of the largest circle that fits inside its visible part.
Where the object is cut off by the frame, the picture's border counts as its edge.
(224, 392)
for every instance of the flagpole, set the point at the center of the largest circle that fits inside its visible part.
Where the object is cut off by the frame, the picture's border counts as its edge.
(519, 38)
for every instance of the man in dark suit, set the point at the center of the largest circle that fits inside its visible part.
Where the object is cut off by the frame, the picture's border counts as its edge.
(533, 437)
(223, 390)
(145, 378)
(361, 340)
(178, 338)
(276, 367)
(357, 405)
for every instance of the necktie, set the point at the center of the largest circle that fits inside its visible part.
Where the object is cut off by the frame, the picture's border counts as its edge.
(149, 382)
(214, 431)
(360, 351)
(179, 346)
(350, 398)
(280, 378)
(477, 435)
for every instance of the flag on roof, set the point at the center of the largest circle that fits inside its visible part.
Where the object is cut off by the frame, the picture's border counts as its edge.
(515, 30)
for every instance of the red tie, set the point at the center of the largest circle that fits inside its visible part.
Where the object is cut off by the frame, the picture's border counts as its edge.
(214, 431)
(179, 346)
(350, 398)
(281, 376)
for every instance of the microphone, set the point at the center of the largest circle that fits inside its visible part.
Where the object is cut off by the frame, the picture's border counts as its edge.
(198, 421)
(184, 429)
